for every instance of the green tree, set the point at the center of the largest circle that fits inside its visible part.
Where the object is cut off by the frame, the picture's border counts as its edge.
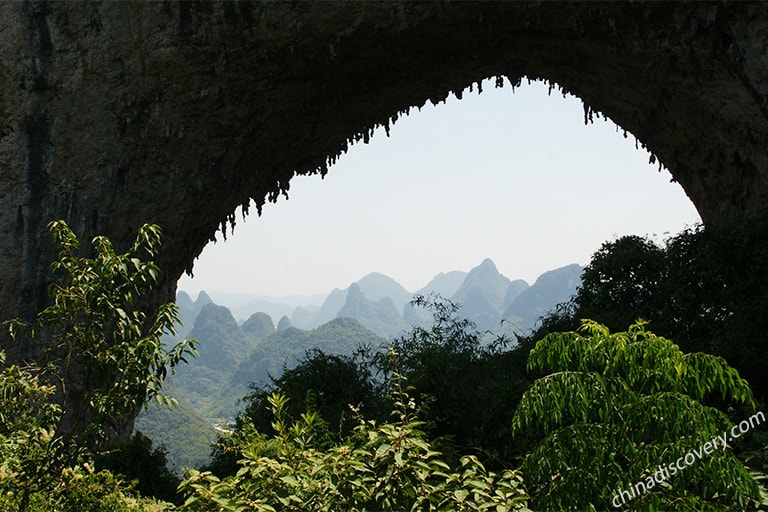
(105, 359)
(612, 408)
(621, 282)
(705, 287)
(106, 350)
(325, 383)
(717, 294)
(467, 389)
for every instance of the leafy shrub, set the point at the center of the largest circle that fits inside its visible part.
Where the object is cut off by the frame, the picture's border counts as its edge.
(31, 455)
(41, 471)
(81, 488)
(388, 466)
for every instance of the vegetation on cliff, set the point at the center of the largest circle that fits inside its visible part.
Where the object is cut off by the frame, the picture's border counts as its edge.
(105, 360)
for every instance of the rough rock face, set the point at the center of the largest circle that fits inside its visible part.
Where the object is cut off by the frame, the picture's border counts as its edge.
(113, 114)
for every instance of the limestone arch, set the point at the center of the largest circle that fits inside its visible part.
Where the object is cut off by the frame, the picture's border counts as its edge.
(113, 114)
(308, 194)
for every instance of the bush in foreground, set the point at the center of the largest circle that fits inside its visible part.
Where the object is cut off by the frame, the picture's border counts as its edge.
(388, 466)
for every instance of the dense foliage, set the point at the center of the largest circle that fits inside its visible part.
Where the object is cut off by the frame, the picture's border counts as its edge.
(583, 433)
(41, 471)
(324, 383)
(705, 288)
(137, 459)
(613, 408)
(104, 350)
(467, 388)
(387, 466)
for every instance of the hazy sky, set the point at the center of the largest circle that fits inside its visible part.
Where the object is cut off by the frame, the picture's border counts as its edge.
(515, 177)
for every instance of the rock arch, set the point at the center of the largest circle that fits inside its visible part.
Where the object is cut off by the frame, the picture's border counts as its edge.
(113, 114)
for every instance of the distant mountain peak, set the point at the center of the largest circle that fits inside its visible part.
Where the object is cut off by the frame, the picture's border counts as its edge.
(284, 323)
(444, 284)
(203, 299)
(213, 311)
(485, 270)
(551, 288)
(377, 286)
(259, 325)
(486, 267)
(482, 295)
(488, 263)
(222, 341)
(183, 297)
(376, 275)
(380, 316)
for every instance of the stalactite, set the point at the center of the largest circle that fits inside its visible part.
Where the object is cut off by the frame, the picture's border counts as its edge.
(223, 229)
(587, 114)
(322, 169)
(623, 130)
(517, 82)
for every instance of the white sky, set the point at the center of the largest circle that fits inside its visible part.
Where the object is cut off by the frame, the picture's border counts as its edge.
(515, 177)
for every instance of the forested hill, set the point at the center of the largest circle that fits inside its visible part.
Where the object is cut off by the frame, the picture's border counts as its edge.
(232, 356)
(283, 348)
